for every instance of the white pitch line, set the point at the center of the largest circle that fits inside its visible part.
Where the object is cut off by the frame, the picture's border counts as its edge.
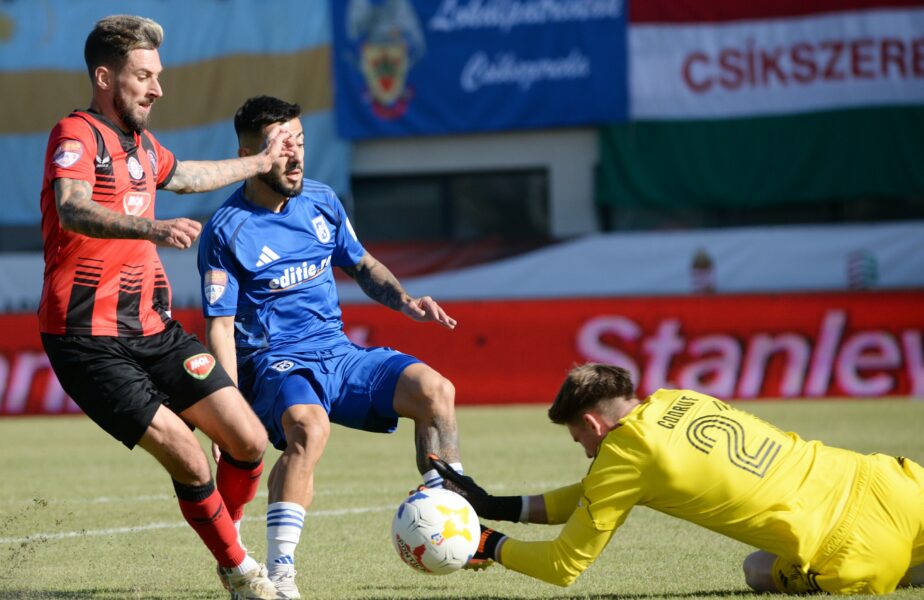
(48, 537)
(339, 491)
(111, 499)
(147, 498)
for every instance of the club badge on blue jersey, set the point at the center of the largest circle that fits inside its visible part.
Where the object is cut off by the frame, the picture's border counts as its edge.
(321, 229)
(282, 366)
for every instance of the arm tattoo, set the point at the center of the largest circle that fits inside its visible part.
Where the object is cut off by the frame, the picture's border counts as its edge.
(207, 175)
(78, 212)
(377, 282)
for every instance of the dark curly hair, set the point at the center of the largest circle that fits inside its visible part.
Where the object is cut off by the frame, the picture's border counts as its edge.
(260, 111)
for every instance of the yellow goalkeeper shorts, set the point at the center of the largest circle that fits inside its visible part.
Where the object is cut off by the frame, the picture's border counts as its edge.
(878, 538)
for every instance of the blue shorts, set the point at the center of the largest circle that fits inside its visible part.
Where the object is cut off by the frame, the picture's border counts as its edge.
(355, 385)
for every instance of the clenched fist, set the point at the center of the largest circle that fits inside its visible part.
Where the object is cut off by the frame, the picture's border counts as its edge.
(176, 233)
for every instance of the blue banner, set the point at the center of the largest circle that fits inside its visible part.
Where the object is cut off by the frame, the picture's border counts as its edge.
(207, 46)
(412, 67)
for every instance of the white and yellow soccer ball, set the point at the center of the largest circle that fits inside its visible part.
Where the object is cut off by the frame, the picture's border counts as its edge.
(435, 531)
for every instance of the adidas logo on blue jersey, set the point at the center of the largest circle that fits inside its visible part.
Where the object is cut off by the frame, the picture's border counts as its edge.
(267, 256)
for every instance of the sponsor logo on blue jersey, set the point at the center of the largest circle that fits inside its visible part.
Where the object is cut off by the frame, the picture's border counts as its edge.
(293, 276)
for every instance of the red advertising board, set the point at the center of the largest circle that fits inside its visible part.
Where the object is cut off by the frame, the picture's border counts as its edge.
(735, 347)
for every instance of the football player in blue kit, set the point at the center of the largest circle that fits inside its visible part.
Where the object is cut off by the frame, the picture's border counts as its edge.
(273, 321)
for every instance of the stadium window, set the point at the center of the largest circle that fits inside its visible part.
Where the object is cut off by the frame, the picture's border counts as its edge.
(451, 206)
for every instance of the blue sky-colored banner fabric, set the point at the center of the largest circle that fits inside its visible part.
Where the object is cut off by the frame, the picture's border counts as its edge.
(50, 34)
(42, 66)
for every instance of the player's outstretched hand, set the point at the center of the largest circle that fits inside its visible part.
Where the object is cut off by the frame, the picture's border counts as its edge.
(425, 308)
(497, 508)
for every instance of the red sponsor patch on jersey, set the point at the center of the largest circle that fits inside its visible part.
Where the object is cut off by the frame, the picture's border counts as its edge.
(135, 203)
(199, 365)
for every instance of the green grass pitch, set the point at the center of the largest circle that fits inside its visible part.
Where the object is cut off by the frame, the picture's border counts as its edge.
(82, 518)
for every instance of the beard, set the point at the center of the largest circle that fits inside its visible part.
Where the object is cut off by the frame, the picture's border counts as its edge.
(134, 123)
(280, 185)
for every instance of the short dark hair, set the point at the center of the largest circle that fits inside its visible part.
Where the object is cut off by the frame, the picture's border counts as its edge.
(585, 386)
(260, 111)
(115, 36)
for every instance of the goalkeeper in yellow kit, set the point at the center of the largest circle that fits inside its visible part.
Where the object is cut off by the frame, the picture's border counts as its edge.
(824, 519)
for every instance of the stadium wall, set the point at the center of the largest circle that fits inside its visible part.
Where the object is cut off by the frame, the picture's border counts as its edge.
(803, 258)
(826, 345)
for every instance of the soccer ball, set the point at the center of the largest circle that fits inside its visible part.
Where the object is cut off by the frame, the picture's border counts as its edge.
(435, 531)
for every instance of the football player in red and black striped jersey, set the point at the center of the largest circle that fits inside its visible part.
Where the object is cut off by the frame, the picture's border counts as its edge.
(105, 307)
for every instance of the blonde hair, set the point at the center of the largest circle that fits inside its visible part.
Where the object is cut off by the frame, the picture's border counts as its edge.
(115, 36)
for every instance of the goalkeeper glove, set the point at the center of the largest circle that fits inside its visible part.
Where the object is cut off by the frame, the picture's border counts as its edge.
(487, 545)
(496, 508)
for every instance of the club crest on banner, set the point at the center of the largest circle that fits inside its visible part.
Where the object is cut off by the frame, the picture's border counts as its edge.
(321, 229)
(387, 41)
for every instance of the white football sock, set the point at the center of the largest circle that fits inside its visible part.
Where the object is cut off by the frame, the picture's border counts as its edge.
(237, 526)
(284, 522)
(248, 565)
(432, 478)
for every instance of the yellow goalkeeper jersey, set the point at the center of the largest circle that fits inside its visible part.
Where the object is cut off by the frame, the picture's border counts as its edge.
(696, 458)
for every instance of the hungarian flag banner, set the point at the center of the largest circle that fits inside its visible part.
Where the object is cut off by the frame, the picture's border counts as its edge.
(763, 102)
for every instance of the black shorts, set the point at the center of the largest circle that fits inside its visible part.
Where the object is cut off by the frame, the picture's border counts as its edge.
(119, 382)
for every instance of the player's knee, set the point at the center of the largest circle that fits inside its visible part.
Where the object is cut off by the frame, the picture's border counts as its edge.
(914, 577)
(440, 394)
(304, 436)
(248, 443)
(192, 469)
(758, 571)
(250, 448)
(424, 395)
